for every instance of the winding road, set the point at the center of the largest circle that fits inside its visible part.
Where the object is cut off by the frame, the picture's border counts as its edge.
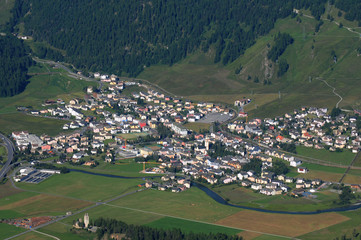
(10, 151)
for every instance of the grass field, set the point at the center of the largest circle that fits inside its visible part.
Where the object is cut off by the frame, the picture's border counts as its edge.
(316, 167)
(42, 205)
(191, 204)
(197, 127)
(83, 186)
(37, 125)
(125, 215)
(8, 230)
(7, 214)
(357, 162)
(132, 136)
(62, 231)
(125, 167)
(337, 230)
(33, 236)
(188, 226)
(57, 86)
(6, 199)
(275, 223)
(344, 158)
(247, 197)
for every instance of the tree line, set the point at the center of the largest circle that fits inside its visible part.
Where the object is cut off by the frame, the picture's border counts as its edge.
(124, 37)
(14, 64)
(135, 232)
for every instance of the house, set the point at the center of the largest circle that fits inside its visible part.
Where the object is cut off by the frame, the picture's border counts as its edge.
(302, 170)
(256, 186)
(295, 163)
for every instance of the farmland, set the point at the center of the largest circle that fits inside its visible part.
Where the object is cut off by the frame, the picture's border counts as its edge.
(19, 122)
(42, 205)
(189, 226)
(275, 224)
(191, 204)
(344, 158)
(247, 197)
(83, 186)
(8, 230)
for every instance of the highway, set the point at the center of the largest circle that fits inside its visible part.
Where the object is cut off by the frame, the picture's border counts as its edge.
(10, 150)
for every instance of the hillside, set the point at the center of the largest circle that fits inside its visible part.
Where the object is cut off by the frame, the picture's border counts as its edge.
(218, 53)
(310, 59)
(14, 63)
(125, 36)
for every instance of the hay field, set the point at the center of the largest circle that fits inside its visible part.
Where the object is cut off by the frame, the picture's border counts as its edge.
(281, 224)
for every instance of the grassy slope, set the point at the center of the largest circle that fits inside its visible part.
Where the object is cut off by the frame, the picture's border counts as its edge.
(44, 87)
(18, 122)
(40, 89)
(197, 75)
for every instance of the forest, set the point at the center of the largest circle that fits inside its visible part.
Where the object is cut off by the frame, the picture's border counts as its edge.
(352, 9)
(14, 64)
(124, 37)
(134, 232)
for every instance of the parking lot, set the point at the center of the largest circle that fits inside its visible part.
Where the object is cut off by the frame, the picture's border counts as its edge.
(36, 177)
(215, 117)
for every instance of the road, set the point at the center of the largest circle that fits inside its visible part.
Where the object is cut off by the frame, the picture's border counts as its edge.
(69, 71)
(96, 204)
(10, 150)
(349, 167)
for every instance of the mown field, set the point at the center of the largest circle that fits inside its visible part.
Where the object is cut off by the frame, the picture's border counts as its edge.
(38, 125)
(343, 158)
(8, 230)
(332, 232)
(189, 226)
(124, 167)
(247, 197)
(197, 127)
(83, 186)
(285, 225)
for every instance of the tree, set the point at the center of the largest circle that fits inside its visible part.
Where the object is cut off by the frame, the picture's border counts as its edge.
(279, 167)
(346, 195)
(255, 164)
(335, 112)
(282, 68)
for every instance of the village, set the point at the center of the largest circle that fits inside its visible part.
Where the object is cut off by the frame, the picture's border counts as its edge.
(98, 123)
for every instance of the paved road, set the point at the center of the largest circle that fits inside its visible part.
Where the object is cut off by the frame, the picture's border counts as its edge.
(10, 150)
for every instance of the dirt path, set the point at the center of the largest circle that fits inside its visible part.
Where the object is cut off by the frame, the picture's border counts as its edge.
(333, 90)
(349, 167)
